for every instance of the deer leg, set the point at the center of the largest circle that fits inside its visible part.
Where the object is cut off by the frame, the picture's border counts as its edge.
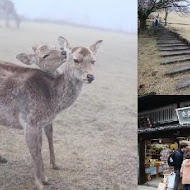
(34, 142)
(49, 134)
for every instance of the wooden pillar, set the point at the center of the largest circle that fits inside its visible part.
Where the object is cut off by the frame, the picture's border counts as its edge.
(157, 170)
(142, 177)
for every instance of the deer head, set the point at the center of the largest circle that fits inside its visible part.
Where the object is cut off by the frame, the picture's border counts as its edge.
(47, 58)
(81, 60)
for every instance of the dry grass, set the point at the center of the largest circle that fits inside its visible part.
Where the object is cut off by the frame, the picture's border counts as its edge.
(95, 140)
(179, 23)
(149, 60)
(151, 75)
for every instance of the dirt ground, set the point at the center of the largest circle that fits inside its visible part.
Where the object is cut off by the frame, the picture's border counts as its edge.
(96, 139)
(151, 74)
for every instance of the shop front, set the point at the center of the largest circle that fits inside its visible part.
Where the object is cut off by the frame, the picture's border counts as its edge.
(159, 133)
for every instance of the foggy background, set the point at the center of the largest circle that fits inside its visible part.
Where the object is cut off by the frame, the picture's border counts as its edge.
(95, 140)
(118, 15)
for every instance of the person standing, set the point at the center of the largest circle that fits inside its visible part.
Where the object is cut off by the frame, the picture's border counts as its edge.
(178, 159)
(156, 21)
(185, 172)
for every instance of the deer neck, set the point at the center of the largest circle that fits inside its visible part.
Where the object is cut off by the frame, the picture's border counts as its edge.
(68, 89)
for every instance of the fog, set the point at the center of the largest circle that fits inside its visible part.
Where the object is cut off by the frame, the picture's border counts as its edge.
(120, 15)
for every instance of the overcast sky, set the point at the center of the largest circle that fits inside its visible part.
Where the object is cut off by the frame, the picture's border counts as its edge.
(110, 14)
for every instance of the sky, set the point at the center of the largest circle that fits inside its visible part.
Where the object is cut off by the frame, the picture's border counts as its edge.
(118, 15)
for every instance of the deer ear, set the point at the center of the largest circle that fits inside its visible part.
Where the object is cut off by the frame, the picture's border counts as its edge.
(94, 47)
(34, 48)
(64, 43)
(28, 59)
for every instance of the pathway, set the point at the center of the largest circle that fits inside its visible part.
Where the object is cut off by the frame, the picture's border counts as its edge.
(174, 51)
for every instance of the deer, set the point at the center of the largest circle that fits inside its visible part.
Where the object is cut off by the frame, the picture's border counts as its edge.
(37, 59)
(11, 93)
(32, 98)
(8, 9)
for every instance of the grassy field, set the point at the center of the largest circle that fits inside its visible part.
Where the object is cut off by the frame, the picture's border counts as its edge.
(148, 63)
(179, 23)
(96, 139)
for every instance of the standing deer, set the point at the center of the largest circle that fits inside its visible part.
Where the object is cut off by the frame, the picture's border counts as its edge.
(8, 10)
(31, 99)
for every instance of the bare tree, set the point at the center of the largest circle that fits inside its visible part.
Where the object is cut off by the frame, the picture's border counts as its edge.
(181, 7)
(8, 10)
(145, 7)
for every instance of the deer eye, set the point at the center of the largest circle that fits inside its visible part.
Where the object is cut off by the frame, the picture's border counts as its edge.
(76, 61)
(45, 56)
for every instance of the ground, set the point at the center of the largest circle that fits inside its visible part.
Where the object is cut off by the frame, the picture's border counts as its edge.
(150, 185)
(95, 140)
(151, 74)
(144, 187)
(148, 63)
(179, 23)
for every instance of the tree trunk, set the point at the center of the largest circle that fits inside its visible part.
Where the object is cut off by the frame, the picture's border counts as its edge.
(143, 23)
(166, 17)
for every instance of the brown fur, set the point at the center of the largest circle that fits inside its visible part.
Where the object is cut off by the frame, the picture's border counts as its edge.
(84, 51)
(31, 99)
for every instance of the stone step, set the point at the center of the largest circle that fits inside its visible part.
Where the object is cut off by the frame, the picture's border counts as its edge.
(164, 39)
(175, 53)
(169, 42)
(184, 83)
(175, 61)
(167, 37)
(174, 49)
(172, 45)
(178, 70)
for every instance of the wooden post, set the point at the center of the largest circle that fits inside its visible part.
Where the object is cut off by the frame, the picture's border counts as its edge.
(157, 170)
(142, 177)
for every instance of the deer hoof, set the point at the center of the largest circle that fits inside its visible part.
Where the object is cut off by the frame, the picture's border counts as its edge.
(3, 160)
(55, 167)
(46, 183)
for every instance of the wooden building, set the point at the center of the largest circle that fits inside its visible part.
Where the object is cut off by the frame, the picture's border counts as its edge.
(157, 120)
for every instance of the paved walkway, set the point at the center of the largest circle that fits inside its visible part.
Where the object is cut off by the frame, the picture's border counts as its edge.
(143, 187)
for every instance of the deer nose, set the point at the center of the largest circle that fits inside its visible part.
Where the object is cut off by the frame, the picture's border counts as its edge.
(64, 53)
(90, 77)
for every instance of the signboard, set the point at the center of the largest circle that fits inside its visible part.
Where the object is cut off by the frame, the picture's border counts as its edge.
(183, 115)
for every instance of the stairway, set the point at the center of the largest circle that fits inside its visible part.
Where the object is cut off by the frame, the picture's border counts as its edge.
(174, 51)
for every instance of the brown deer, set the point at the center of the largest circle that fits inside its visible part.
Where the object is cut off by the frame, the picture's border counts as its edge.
(38, 59)
(31, 99)
(8, 10)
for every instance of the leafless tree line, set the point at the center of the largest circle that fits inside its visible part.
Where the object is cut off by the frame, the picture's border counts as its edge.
(146, 7)
(7, 9)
